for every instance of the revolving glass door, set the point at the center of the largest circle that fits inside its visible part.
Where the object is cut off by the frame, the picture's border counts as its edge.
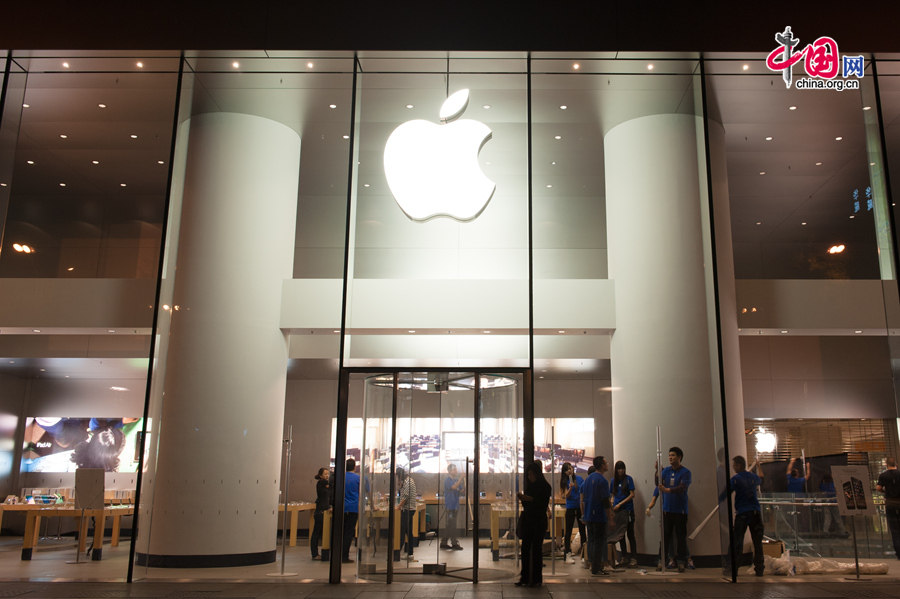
(439, 467)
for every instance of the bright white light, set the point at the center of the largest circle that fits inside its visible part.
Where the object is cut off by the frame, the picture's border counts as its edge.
(765, 442)
(236, 64)
(576, 66)
(65, 65)
(836, 249)
(649, 67)
(140, 65)
(769, 138)
(332, 106)
(563, 107)
(309, 65)
(838, 138)
(17, 247)
(432, 169)
(118, 388)
(792, 108)
(101, 105)
(63, 136)
(746, 67)
(95, 162)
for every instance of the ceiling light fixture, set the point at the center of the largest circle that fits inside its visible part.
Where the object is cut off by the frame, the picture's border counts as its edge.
(346, 137)
(818, 164)
(838, 138)
(759, 222)
(836, 249)
(650, 67)
(309, 65)
(486, 332)
(332, 106)
(411, 331)
(101, 105)
(235, 64)
(563, 107)
(549, 185)
(769, 138)
(65, 65)
(746, 67)
(114, 388)
(783, 331)
(160, 162)
(867, 108)
(803, 223)
(857, 331)
(410, 106)
(762, 172)
(35, 330)
(26, 105)
(95, 162)
(110, 330)
(139, 64)
(557, 137)
(70, 269)
(486, 106)
(62, 184)
(29, 162)
(365, 185)
(63, 136)
(561, 332)
(792, 108)
(575, 66)
(123, 185)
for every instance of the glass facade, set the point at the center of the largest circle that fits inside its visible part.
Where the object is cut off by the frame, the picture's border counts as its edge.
(227, 272)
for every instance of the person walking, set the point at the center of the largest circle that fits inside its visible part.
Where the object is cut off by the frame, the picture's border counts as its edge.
(533, 524)
(889, 484)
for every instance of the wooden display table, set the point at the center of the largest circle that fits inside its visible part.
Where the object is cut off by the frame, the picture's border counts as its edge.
(294, 510)
(507, 510)
(34, 513)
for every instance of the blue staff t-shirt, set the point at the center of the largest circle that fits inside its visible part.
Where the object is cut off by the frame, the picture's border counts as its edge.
(594, 491)
(573, 500)
(675, 503)
(744, 486)
(451, 495)
(621, 490)
(796, 484)
(351, 492)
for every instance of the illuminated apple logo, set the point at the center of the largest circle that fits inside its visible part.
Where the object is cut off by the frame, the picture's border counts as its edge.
(432, 169)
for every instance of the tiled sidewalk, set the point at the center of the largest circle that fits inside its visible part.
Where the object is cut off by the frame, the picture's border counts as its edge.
(804, 589)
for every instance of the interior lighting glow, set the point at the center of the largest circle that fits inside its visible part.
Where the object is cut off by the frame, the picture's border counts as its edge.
(27, 249)
(650, 67)
(62, 184)
(549, 185)
(65, 65)
(746, 67)
(561, 332)
(852, 216)
(410, 106)
(70, 269)
(309, 65)
(332, 106)
(769, 138)
(753, 309)
(557, 137)
(26, 105)
(486, 106)
(783, 331)
(803, 224)
(410, 331)
(759, 222)
(575, 66)
(140, 65)
(818, 164)
(486, 332)
(867, 108)
(133, 136)
(366, 185)
(858, 331)
(29, 161)
(792, 108)
(63, 136)
(101, 105)
(836, 249)
(160, 162)
(95, 162)
(743, 310)
(563, 107)
(838, 138)
(35, 330)
(765, 442)
(123, 185)
(2, 184)
(114, 388)
(166, 307)
(235, 64)
(346, 137)
(17, 247)
(110, 330)
(762, 172)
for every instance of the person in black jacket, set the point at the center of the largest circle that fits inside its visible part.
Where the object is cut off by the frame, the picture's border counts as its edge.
(533, 524)
(324, 496)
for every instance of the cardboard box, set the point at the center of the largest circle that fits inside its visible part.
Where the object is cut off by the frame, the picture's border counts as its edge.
(773, 548)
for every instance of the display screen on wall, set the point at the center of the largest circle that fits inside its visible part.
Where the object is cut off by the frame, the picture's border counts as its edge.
(573, 439)
(65, 444)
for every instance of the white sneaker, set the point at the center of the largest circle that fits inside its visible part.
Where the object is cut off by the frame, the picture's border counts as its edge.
(570, 559)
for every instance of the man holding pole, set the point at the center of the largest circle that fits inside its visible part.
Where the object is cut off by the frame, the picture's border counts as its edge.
(749, 513)
(673, 484)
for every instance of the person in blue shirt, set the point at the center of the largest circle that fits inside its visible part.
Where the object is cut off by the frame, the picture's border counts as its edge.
(795, 482)
(570, 486)
(832, 515)
(595, 506)
(748, 514)
(623, 501)
(454, 485)
(673, 484)
(351, 508)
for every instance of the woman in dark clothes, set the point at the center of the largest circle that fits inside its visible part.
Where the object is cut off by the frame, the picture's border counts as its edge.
(323, 503)
(533, 524)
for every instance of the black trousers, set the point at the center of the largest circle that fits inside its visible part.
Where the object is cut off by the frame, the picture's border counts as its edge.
(573, 515)
(350, 519)
(893, 519)
(316, 537)
(753, 521)
(406, 532)
(676, 524)
(451, 528)
(629, 534)
(532, 553)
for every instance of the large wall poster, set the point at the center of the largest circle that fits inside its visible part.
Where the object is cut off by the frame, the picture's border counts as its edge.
(66, 444)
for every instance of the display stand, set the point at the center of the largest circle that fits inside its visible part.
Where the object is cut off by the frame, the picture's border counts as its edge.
(89, 490)
(662, 528)
(854, 498)
(856, 554)
(287, 471)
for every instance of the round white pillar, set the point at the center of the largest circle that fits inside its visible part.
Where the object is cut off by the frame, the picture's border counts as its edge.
(216, 487)
(660, 350)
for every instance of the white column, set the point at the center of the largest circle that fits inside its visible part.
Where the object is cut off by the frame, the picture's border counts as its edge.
(216, 489)
(660, 351)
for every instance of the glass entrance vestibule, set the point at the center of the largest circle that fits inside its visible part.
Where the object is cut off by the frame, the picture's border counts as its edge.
(438, 456)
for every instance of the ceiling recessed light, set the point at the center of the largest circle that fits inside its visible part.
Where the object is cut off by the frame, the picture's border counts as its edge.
(867, 108)
(803, 224)
(852, 216)
(411, 331)
(746, 67)
(160, 162)
(2, 184)
(123, 185)
(26, 105)
(783, 331)
(838, 138)
(235, 64)
(110, 330)
(114, 388)
(792, 108)
(486, 332)
(309, 65)
(759, 222)
(486, 106)
(410, 106)
(762, 172)
(561, 332)
(553, 163)
(365, 185)
(63, 136)
(549, 185)
(332, 106)
(70, 269)
(837, 249)
(857, 331)
(818, 164)
(871, 164)
(62, 184)
(769, 138)
(346, 137)
(95, 162)
(35, 330)
(101, 105)
(563, 107)
(557, 137)
(575, 66)
(139, 64)
(65, 65)
(43, 370)
(650, 67)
